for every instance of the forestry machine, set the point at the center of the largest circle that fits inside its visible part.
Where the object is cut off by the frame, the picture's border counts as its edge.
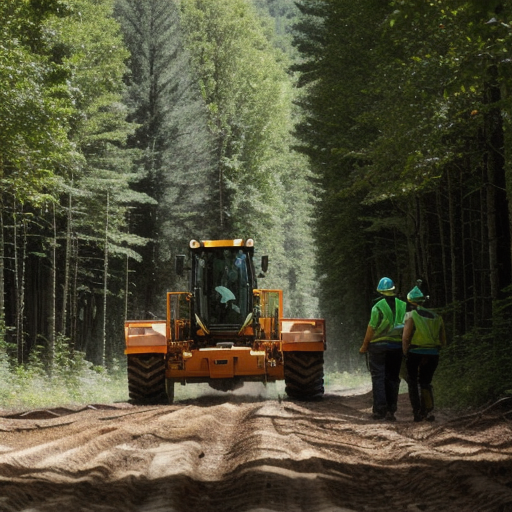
(224, 331)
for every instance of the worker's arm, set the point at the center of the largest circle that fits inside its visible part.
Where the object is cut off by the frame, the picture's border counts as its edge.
(407, 335)
(366, 342)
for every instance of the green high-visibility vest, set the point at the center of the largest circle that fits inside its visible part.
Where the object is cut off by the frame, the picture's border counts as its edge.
(426, 329)
(386, 326)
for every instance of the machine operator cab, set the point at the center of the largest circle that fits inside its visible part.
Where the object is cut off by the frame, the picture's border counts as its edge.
(222, 279)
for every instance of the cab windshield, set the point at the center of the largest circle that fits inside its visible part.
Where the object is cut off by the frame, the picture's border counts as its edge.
(223, 287)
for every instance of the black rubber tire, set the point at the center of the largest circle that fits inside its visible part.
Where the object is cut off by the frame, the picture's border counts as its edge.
(146, 379)
(304, 375)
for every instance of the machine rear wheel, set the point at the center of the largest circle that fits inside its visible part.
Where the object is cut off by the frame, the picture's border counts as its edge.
(146, 378)
(304, 375)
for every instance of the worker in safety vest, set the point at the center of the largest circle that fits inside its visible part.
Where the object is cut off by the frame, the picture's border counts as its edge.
(383, 342)
(423, 336)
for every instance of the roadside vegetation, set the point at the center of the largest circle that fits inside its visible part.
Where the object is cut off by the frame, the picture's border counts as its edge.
(72, 381)
(351, 140)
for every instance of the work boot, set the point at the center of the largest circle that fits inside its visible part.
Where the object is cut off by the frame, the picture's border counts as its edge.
(418, 416)
(390, 416)
(427, 398)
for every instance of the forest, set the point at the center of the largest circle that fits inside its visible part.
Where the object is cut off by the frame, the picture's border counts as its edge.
(351, 140)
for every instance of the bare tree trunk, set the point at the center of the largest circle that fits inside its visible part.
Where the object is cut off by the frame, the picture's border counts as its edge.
(411, 234)
(222, 189)
(484, 256)
(221, 197)
(18, 323)
(498, 232)
(67, 269)
(423, 235)
(465, 248)
(74, 298)
(440, 220)
(491, 231)
(126, 287)
(453, 249)
(2, 274)
(19, 280)
(105, 289)
(16, 282)
(53, 295)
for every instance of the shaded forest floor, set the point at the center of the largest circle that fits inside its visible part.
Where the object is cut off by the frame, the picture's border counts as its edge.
(247, 452)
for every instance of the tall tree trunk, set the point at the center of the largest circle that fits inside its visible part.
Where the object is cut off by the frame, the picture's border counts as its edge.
(440, 221)
(465, 250)
(126, 287)
(221, 196)
(423, 235)
(19, 280)
(105, 287)
(498, 228)
(74, 298)
(18, 323)
(484, 255)
(53, 295)
(67, 268)
(453, 248)
(2, 272)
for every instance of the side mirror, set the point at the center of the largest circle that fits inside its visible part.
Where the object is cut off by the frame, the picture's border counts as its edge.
(264, 263)
(180, 264)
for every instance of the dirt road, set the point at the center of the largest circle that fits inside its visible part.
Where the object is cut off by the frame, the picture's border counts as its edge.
(242, 452)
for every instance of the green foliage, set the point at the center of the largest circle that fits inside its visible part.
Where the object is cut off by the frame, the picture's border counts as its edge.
(67, 177)
(242, 86)
(474, 369)
(406, 123)
(262, 188)
(35, 105)
(96, 56)
(71, 380)
(280, 15)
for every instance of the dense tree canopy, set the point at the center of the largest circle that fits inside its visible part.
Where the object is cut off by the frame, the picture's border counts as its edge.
(259, 179)
(407, 127)
(378, 144)
(128, 128)
(66, 174)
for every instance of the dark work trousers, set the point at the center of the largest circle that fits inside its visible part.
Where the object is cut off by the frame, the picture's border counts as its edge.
(385, 365)
(421, 368)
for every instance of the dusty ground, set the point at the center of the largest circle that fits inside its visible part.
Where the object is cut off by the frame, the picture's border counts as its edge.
(241, 452)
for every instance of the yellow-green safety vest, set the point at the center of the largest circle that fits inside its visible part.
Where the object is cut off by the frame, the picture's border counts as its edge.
(426, 332)
(389, 328)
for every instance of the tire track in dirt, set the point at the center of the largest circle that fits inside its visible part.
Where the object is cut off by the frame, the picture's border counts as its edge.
(247, 454)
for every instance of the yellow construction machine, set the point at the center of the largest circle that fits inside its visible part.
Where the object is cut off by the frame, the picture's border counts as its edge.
(224, 331)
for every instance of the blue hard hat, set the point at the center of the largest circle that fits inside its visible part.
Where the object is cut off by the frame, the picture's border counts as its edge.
(386, 285)
(415, 295)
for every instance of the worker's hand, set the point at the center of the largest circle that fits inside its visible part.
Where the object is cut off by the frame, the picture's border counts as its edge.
(367, 339)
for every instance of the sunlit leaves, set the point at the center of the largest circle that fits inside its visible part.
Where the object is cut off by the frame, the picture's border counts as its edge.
(244, 89)
(34, 109)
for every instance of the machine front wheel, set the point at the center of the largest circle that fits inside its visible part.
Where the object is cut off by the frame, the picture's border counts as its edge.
(146, 378)
(304, 375)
